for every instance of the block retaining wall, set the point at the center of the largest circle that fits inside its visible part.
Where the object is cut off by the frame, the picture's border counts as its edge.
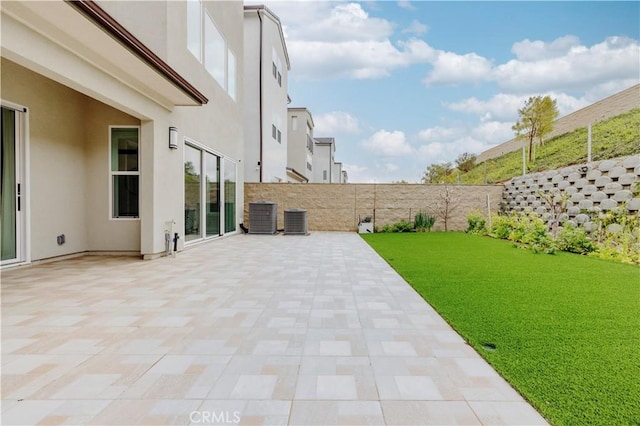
(593, 187)
(337, 207)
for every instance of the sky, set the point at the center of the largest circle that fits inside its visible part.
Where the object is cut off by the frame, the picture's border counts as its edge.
(405, 84)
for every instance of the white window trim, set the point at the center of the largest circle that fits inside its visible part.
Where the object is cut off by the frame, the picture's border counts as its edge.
(112, 173)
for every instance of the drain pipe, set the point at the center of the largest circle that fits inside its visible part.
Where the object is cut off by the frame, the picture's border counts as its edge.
(260, 77)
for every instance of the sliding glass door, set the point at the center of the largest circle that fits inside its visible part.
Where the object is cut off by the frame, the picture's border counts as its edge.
(11, 197)
(229, 195)
(192, 193)
(209, 193)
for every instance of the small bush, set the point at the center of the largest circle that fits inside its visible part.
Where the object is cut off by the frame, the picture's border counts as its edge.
(387, 228)
(503, 225)
(402, 226)
(526, 231)
(575, 240)
(423, 222)
(476, 223)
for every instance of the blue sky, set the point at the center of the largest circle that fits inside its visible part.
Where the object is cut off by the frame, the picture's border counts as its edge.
(402, 85)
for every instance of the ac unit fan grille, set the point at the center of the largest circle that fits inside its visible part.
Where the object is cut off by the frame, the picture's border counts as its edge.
(263, 218)
(295, 222)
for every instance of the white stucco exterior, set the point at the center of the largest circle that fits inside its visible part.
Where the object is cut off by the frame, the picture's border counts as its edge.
(265, 96)
(75, 81)
(300, 145)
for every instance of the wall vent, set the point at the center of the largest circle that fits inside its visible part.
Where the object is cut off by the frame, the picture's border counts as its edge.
(263, 217)
(295, 222)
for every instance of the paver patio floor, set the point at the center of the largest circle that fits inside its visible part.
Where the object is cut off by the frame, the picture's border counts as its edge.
(251, 329)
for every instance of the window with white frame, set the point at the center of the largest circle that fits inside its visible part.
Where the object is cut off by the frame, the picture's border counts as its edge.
(124, 159)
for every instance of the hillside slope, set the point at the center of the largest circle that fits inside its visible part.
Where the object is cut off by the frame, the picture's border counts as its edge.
(616, 137)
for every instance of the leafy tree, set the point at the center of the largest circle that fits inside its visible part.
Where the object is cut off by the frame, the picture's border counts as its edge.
(465, 162)
(438, 173)
(536, 120)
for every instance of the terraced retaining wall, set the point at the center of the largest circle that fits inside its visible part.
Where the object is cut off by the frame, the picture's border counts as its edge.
(593, 187)
(337, 207)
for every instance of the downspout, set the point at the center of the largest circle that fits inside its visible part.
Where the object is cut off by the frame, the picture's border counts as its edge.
(260, 95)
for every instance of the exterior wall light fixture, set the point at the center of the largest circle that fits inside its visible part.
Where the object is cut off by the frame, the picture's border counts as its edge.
(173, 137)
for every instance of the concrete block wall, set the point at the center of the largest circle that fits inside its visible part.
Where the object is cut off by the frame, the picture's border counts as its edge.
(616, 104)
(337, 207)
(594, 187)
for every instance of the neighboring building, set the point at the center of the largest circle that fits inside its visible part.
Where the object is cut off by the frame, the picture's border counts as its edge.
(300, 145)
(337, 172)
(266, 74)
(93, 96)
(323, 159)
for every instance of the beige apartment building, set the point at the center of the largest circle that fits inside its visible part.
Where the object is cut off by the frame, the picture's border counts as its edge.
(122, 126)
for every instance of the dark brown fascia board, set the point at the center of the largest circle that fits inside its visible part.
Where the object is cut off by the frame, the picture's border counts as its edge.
(105, 21)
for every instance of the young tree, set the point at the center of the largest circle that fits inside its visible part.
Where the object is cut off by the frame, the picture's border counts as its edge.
(536, 120)
(446, 203)
(465, 162)
(437, 173)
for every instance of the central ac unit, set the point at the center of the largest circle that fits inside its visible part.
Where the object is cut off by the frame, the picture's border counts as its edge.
(263, 217)
(295, 222)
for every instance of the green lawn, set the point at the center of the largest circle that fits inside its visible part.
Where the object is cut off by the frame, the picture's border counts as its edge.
(566, 327)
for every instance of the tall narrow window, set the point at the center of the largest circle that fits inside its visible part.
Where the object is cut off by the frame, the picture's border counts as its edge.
(192, 193)
(194, 28)
(215, 51)
(125, 172)
(231, 74)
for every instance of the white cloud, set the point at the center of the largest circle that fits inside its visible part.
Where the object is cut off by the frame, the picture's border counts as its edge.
(405, 4)
(531, 51)
(438, 134)
(416, 27)
(353, 59)
(358, 173)
(492, 132)
(391, 144)
(504, 106)
(616, 58)
(451, 68)
(499, 107)
(390, 167)
(335, 123)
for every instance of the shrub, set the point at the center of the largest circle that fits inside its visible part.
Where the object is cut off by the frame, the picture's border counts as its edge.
(476, 223)
(387, 228)
(402, 226)
(575, 240)
(527, 231)
(503, 225)
(617, 236)
(423, 222)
